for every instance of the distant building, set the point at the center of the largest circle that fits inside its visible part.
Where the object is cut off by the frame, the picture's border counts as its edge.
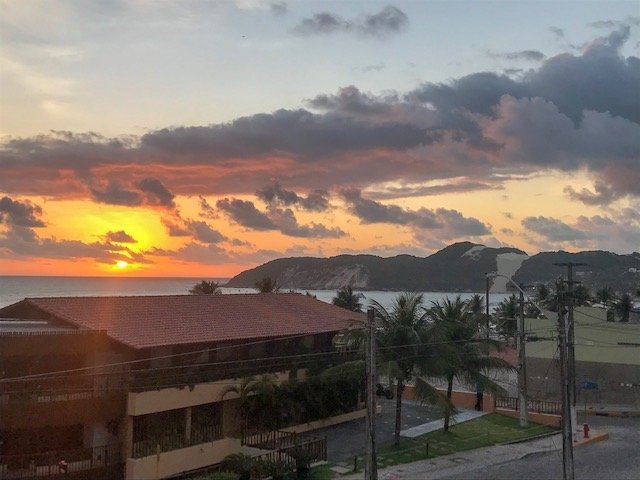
(154, 407)
(607, 356)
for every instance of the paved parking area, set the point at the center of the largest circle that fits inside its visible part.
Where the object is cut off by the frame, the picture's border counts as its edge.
(346, 440)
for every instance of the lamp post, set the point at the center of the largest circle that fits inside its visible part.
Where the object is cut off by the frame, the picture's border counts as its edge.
(521, 345)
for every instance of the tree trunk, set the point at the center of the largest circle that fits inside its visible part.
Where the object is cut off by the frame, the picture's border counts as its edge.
(447, 414)
(399, 390)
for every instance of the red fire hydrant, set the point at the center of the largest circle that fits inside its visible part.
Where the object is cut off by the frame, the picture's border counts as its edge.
(585, 430)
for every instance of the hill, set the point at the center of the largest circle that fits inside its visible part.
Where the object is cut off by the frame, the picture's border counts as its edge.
(457, 268)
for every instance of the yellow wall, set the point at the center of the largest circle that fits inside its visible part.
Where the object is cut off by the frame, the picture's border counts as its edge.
(172, 398)
(180, 460)
(596, 340)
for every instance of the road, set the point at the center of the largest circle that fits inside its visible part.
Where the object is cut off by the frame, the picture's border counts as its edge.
(617, 458)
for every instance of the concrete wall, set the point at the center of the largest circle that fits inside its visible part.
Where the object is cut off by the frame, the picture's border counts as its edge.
(617, 383)
(326, 422)
(542, 418)
(459, 398)
(181, 460)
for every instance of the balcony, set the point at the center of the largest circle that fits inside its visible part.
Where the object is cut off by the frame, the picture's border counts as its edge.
(167, 443)
(101, 462)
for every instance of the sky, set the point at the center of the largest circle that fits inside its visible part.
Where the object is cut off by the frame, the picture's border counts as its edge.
(202, 138)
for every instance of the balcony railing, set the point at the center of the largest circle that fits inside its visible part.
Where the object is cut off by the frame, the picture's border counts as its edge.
(166, 443)
(56, 463)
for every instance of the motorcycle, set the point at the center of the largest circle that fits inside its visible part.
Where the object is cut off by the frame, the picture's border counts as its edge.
(381, 391)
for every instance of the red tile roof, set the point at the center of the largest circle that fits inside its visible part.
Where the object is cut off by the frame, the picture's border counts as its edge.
(150, 321)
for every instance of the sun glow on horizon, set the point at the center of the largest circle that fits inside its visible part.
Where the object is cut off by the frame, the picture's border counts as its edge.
(121, 264)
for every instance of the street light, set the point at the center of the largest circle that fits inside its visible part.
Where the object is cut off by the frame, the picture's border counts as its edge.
(522, 370)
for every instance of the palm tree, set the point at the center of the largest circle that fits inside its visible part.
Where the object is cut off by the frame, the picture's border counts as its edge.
(403, 339)
(345, 298)
(205, 288)
(605, 295)
(475, 304)
(623, 307)
(467, 361)
(581, 295)
(507, 311)
(266, 285)
(258, 403)
(542, 293)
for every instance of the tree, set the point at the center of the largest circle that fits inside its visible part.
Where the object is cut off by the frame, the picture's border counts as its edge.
(346, 298)
(206, 288)
(266, 285)
(258, 402)
(605, 296)
(475, 304)
(581, 295)
(405, 344)
(467, 360)
(507, 311)
(623, 307)
(542, 293)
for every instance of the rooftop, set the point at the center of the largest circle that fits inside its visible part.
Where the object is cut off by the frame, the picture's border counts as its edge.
(151, 321)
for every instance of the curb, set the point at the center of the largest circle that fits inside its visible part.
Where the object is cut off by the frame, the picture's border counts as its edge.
(597, 437)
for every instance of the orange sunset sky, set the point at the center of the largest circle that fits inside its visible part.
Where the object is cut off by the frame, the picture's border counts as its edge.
(203, 138)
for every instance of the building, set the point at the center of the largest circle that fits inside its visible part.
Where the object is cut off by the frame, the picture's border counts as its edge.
(607, 357)
(140, 382)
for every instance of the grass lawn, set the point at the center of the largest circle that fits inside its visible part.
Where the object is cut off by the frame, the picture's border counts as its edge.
(481, 432)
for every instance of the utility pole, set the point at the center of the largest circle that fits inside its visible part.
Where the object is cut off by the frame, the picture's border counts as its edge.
(565, 387)
(522, 365)
(488, 287)
(571, 355)
(371, 467)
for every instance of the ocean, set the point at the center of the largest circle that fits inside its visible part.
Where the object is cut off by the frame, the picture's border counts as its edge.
(15, 288)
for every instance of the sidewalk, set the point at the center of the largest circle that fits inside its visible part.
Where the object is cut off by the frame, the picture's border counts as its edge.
(610, 410)
(459, 463)
(461, 417)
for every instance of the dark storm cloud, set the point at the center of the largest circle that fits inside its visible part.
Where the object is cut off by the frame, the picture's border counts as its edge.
(600, 79)
(296, 132)
(389, 21)
(119, 237)
(23, 242)
(552, 229)
(20, 213)
(370, 211)
(156, 192)
(245, 213)
(203, 232)
(603, 194)
(274, 195)
(114, 194)
(572, 112)
(287, 223)
(206, 210)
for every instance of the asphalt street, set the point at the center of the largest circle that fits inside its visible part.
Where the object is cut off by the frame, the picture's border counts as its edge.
(617, 458)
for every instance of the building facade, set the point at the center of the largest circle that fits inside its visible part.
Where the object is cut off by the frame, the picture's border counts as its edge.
(138, 387)
(607, 358)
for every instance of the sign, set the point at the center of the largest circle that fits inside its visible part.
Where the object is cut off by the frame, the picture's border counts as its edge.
(587, 385)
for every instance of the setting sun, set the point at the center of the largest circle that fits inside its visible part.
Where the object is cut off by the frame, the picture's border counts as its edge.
(121, 264)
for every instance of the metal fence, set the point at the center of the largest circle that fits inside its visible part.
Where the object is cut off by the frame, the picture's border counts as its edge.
(56, 463)
(533, 405)
(166, 443)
